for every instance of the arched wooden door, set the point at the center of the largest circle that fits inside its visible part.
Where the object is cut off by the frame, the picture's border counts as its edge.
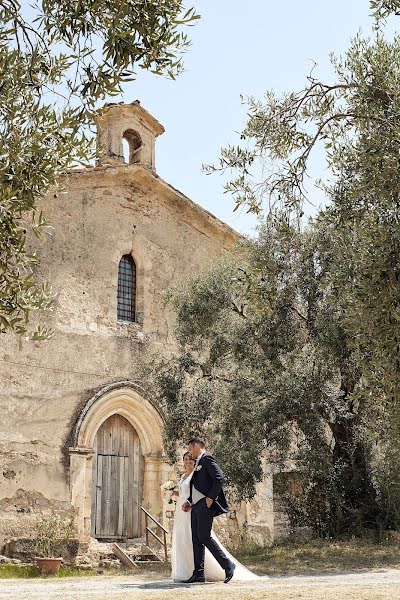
(117, 481)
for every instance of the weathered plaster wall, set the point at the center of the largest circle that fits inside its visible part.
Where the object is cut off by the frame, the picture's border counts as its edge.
(103, 214)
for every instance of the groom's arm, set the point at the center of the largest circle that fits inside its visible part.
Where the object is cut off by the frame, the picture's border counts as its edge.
(190, 500)
(216, 475)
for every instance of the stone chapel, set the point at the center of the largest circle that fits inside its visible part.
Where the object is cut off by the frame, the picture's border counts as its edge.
(78, 435)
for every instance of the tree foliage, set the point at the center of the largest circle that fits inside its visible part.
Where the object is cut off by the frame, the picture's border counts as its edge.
(57, 61)
(296, 352)
(266, 367)
(356, 121)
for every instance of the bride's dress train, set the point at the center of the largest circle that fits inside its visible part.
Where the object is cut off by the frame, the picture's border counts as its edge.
(182, 549)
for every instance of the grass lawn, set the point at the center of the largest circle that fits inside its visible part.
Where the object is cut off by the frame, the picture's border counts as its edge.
(32, 571)
(313, 558)
(149, 571)
(320, 556)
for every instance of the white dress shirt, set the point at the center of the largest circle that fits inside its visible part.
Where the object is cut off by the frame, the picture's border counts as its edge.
(196, 495)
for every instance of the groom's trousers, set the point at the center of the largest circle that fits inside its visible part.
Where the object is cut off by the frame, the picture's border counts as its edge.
(202, 520)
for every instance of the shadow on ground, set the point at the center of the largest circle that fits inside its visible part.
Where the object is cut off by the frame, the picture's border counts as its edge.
(161, 585)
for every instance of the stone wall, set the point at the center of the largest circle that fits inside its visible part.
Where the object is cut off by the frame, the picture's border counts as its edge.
(103, 213)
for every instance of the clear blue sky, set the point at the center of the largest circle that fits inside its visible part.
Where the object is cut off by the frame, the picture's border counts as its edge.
(238, 48)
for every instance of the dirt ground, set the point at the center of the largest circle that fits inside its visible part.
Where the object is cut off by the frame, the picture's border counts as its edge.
(371, 585)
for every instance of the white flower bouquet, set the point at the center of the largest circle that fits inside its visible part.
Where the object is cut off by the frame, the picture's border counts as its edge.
(170, 486)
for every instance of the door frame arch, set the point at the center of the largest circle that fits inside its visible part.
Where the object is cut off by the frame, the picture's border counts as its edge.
(123, 398)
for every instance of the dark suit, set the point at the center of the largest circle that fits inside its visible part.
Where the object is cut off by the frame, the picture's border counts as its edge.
(208, 479)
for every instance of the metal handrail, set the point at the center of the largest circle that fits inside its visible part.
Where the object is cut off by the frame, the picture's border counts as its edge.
(154, 520)
(147, 516)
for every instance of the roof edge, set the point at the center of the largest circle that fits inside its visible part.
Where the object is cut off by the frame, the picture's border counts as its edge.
(156, 179)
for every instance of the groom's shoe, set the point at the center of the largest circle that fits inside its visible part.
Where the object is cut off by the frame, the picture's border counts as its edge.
(194, 579)
(229, 573)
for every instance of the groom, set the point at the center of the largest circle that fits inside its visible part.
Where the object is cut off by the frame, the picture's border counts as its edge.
(206, 501)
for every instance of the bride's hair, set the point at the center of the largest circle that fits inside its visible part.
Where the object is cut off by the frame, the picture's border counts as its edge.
(189, 455)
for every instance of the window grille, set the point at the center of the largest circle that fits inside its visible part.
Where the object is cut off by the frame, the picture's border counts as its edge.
(126, 289)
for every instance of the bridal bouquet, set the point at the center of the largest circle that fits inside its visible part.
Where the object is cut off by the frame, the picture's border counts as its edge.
(170, 486)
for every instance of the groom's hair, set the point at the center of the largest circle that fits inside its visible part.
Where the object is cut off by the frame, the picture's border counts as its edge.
(197, 440)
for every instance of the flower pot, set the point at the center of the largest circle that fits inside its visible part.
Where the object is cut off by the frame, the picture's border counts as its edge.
(48, 565)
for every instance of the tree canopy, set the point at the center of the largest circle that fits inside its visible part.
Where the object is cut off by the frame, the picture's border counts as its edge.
(355, 120)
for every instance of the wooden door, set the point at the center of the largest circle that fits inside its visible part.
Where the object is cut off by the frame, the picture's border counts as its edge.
(117, 481)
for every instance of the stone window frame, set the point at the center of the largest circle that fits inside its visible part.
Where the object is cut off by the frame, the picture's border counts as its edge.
(127, 277)
(142, 267)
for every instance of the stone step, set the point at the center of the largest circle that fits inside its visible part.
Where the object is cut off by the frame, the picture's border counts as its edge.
(135, 549)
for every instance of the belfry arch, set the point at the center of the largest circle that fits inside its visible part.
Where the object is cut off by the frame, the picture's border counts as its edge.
(124, 399)
(134, 142)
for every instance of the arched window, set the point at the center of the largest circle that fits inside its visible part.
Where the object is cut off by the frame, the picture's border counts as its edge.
(132, 143)
(126, 289)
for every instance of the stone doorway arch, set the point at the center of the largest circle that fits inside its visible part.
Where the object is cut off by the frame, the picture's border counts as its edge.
(125, 399)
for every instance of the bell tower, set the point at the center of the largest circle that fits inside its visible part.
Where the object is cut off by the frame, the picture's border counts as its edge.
(130, 122)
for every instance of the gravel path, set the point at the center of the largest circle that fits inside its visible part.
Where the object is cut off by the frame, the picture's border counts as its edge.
(115, 588)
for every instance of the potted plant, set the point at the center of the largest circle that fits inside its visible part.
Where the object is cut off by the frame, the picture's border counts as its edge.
(50, 532)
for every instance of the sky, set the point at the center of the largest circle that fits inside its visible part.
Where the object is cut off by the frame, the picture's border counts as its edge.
(239, 48)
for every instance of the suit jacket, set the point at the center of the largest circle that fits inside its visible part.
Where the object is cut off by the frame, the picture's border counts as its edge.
(209, 479)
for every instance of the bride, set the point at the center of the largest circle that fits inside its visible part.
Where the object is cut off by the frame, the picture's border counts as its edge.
(182, 548)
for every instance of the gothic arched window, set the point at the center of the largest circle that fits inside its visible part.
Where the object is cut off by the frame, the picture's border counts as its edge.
(126, 289)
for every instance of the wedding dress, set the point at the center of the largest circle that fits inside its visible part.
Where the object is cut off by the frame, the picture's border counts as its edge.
(182, 548)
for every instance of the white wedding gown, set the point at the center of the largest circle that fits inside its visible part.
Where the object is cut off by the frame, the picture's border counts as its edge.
(182, 548)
